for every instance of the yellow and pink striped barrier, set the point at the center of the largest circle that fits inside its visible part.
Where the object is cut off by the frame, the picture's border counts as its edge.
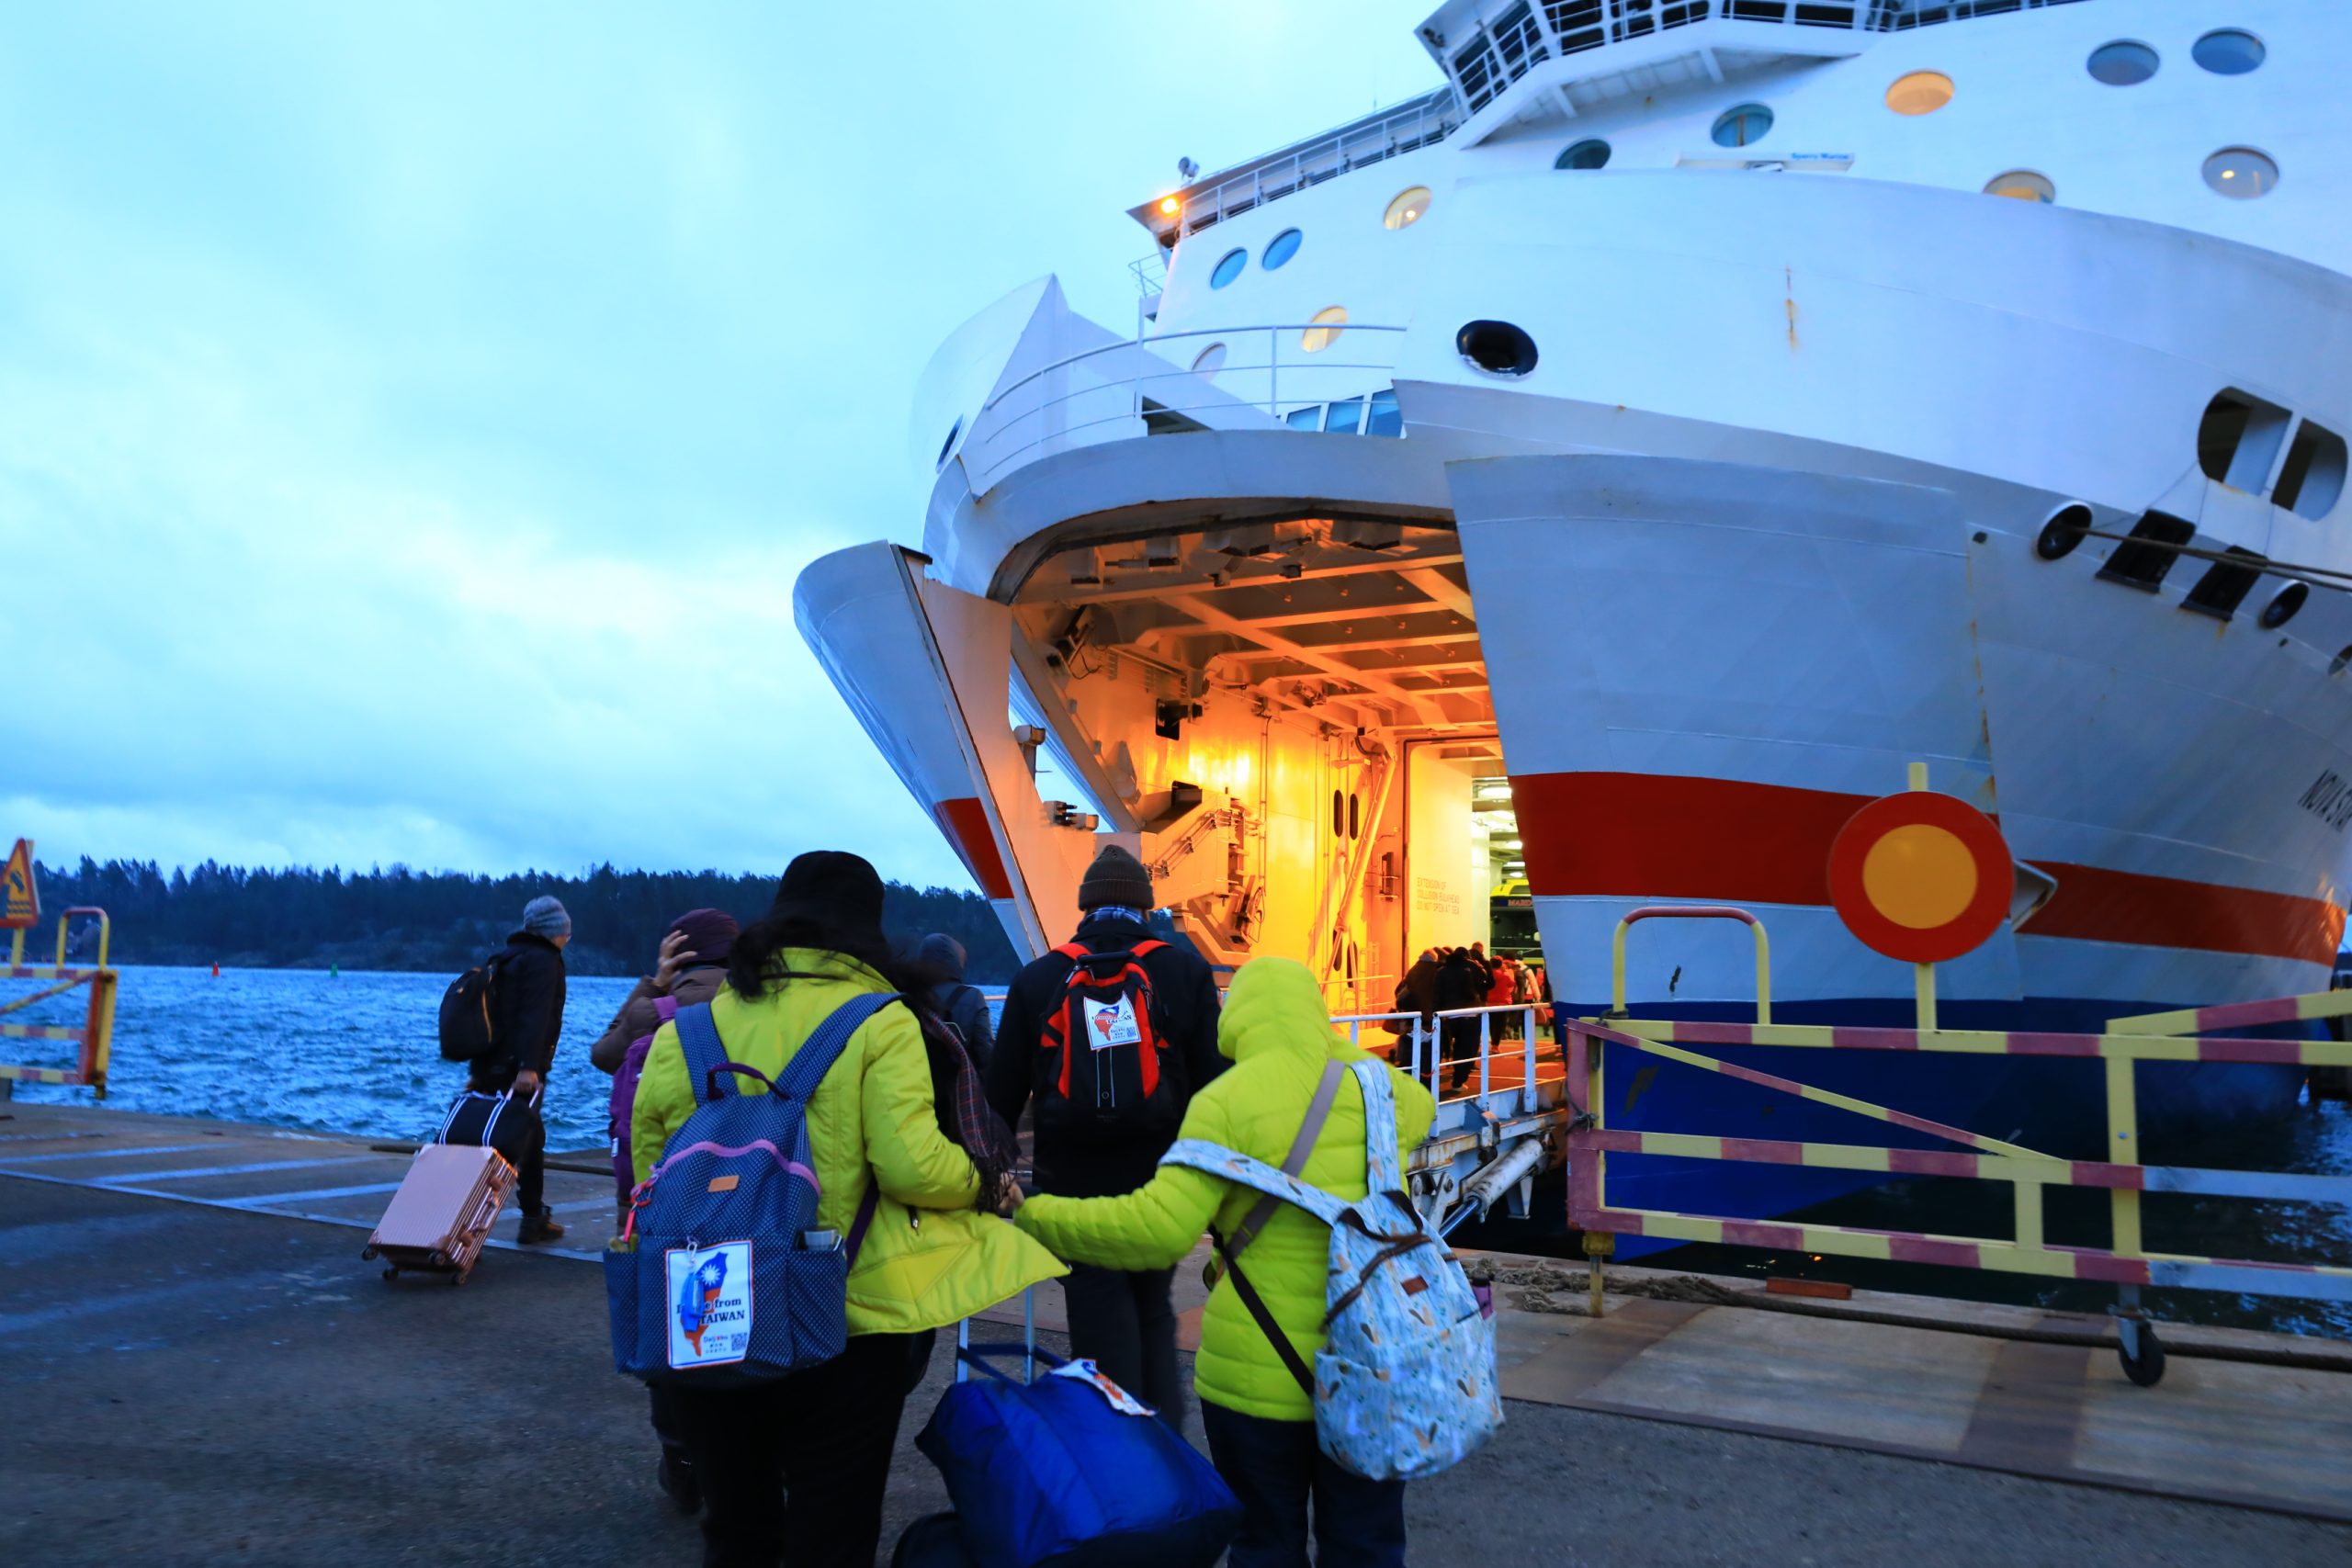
(2178, 1036)
(94, 1034)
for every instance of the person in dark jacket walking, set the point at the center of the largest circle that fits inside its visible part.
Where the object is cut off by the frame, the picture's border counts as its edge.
(526, 1021)
(1088, 1144)
(1462, 982)
(956, 1002)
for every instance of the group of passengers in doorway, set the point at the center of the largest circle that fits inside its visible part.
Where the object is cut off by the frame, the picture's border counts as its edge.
(918, 1109)
(1456, 980)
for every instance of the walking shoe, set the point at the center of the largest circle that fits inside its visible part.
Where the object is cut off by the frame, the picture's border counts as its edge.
(539, 1227)
(676, 1476)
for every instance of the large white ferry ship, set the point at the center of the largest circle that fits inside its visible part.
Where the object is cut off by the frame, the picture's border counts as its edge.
(1612, 467)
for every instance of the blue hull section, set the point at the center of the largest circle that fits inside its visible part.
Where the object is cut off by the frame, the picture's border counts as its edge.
(2054, 1105)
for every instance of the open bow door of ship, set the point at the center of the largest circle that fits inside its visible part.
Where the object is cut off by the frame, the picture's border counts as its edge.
(927, 668)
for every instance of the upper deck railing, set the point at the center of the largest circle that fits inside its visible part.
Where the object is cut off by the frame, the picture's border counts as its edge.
(1419, 122)
(1504, 41)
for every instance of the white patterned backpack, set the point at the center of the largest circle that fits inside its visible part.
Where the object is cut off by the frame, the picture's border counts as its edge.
(1404, 1386)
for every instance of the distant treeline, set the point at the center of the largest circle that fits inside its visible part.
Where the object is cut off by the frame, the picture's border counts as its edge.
(399, 919)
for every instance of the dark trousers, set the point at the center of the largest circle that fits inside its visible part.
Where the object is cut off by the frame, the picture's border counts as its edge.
(1274, 1468)
(1125, 1324)
(796, 1470)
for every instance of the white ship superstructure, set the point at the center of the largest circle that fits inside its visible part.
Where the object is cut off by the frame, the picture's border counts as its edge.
(1620, 462)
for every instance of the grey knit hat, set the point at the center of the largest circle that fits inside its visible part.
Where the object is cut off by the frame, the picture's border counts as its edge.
(545, 916)
(1116, 877)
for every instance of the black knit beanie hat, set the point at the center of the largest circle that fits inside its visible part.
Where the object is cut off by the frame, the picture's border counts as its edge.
(710, 935)
(1116, 877)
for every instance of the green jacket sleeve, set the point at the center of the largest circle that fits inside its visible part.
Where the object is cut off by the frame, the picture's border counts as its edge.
(1152, 1227)
(911, 1157)
(663, 1101)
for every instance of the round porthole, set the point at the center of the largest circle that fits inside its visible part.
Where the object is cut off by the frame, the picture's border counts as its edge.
(2241, 173)
(2281, 609)
(1922, 92)
(1590, 154)
(2022, 185)
(1280, 249)
(1496, 347)
(1407, 209)
(1326, 329)
(1210, 360)
(2229, 52)
(2062, 533)
(1742, 127)
(2126, 63)
(1228, 267)
(948, 445)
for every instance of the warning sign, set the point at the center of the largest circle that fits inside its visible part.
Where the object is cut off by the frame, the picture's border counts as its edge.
(21, 906)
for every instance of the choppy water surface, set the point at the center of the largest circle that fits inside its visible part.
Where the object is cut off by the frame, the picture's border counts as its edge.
(357, 1053)
(296, 1048)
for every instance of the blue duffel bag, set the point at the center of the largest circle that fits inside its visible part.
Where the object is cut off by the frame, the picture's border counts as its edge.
(1058, 1472)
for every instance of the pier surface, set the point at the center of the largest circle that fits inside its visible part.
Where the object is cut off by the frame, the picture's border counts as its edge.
(201, 1370)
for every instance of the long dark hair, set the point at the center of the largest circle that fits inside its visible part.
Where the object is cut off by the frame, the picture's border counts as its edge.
(757, 962)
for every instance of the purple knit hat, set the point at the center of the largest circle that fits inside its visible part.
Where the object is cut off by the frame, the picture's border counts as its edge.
(710, 935)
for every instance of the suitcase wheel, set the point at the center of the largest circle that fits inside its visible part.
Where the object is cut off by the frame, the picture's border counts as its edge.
(392, 1272)
(370, 1254)
(457, 1278)
(440, 1260)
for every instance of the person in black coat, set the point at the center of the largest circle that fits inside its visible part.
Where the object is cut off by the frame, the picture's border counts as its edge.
(526, 998)
(1462, 982)
(1125, 1322)
(956, 1002)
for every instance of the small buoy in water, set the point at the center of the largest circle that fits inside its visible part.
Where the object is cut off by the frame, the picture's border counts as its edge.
(334, 971)
(216, 970)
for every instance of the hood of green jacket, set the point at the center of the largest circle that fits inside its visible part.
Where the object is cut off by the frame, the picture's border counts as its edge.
(1274, 1005)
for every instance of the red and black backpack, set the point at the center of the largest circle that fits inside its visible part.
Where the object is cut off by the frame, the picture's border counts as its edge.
(1101, 1052)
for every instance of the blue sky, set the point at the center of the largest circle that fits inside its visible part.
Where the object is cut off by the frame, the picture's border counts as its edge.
(413, 418)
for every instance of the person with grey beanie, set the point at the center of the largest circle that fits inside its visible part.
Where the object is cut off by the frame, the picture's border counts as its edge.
(526, 1021)
(1101, 1125)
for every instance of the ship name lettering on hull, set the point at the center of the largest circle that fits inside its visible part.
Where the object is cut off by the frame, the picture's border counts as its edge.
(2330, 799)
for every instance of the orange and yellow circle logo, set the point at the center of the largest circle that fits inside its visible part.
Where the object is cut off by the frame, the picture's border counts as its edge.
(1920, 876)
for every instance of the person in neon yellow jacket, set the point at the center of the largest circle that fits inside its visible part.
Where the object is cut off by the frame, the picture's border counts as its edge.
(928, 1257)
(1260, 1422)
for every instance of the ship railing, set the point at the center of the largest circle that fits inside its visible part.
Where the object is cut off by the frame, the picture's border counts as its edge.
(1488, 1145)
(94, 1036)
(1420, 122)
(2193, 1036)
(1263, 376)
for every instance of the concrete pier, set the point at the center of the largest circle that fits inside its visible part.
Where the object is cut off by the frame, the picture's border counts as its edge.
(200, 1369)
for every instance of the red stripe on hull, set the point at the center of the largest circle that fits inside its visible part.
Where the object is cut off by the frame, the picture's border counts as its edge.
(1670, 836)
(966, 823)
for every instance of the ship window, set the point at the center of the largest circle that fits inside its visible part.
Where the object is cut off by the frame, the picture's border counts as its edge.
(1210, 360)
(1326, 329)
(2224, 587)
(2126, 63)
(2227, 51)
(2281, 609)
(955, 429)
(1345, 415)
(1280, 249)
(2312, 481)
(1496, 347)
(1407, 209)
(2241, 173)
(1382, 418)
(2021, 184)
(1228, 267)
(2063, 532)
(2145, 558)
(2239, 438)
(1743, 126)
(1308, 418)
(1590, 154)
(1922, 92)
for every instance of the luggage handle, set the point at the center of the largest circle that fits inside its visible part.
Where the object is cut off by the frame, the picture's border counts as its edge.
(964, 1345)
(974, 1356)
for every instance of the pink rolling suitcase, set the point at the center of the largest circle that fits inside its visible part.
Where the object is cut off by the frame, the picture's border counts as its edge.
(442, 1214)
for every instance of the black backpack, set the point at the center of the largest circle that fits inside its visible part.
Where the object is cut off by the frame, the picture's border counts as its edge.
(465, 1030)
